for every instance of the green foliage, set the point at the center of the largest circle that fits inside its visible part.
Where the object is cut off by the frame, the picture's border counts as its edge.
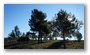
(66, 24)
(23, 35)
(17, 32)
(78, 35)
(14, 35)
(38, 23)
(11, 36)
(23, 39)
(37, 20)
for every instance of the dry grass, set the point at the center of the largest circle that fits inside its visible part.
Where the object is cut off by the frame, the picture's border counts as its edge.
(44, 45)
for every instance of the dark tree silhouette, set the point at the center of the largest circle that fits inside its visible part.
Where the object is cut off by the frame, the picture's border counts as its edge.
(11, 36)
(55, 34)
(54, 30)
(50, 36)
(17, 32)
(78, 35)
(31, 35)
(23, 35)
(50, 29)
(28, 34)
(23, 39)
(66, 24)
(34, 37)
(38, 23)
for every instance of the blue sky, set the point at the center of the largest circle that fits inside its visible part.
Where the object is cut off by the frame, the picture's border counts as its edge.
(19, 14)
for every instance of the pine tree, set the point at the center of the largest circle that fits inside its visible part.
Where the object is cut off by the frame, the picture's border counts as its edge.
(66, 24)
(38, 23)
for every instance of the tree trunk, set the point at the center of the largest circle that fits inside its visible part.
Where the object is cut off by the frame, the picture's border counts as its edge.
(39, 37)
(64, 41)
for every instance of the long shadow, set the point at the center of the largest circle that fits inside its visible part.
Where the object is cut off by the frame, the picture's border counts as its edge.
(57, 45)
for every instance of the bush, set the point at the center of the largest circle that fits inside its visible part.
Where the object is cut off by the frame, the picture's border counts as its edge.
(23, 39)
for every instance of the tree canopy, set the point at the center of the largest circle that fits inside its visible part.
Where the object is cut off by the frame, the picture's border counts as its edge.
(66, 23)
(38, 23)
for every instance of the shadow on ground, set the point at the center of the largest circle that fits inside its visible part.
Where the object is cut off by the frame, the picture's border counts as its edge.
(56, 45)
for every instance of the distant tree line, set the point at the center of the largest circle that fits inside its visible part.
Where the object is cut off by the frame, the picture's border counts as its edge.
(62, 25)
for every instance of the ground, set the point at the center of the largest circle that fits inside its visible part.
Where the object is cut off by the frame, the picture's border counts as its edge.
(50, 44)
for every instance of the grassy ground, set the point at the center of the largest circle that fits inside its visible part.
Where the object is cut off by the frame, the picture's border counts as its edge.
(50, 44)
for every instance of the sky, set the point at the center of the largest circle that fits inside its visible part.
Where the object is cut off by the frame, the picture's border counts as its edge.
(19, 14)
